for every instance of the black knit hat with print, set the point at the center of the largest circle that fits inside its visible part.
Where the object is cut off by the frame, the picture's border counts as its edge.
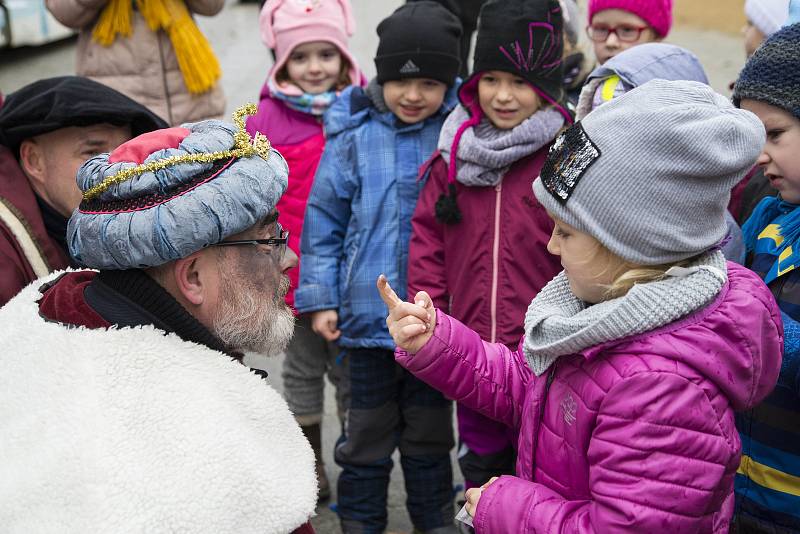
(523, 37)
(419, 40)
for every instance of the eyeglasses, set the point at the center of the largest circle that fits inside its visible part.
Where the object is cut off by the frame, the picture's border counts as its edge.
(626, 34)
(278, 243)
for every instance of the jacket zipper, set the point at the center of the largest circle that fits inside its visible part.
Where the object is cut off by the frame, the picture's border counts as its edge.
(495, 260)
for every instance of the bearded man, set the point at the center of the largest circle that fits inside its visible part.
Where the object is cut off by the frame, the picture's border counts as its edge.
(124, 403)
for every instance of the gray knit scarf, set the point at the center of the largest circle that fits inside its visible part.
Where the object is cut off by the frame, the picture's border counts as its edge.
(486, 152)
(558, 323)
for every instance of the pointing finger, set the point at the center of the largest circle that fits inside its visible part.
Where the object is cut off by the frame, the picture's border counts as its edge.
(388, 295)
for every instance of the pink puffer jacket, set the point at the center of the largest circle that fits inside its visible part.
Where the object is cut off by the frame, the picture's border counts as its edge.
(635, 435)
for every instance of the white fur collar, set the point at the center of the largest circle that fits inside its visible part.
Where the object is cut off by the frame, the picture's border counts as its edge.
(131, 430)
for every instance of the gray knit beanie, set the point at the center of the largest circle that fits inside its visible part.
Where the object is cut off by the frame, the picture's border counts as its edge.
(772, 74)
(649, 174)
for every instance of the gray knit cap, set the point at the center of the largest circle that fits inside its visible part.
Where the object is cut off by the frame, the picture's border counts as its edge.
(772, 74)
(168, 213)
(649, 174)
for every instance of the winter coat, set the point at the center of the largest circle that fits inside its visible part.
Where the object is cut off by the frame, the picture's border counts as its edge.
(486, 269)
(143, 66)
(768, 482)
(358, 217)
(133, 430)
(633, 435)
(26, 251)
(299, 138)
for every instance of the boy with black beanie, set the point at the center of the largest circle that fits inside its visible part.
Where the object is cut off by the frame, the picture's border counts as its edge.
(357, 226)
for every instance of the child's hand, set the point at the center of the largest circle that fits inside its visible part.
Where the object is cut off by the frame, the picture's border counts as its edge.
(325, 323)
(473, 495)
(411, 325)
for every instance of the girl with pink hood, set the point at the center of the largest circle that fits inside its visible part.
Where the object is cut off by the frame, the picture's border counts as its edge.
(312, 67)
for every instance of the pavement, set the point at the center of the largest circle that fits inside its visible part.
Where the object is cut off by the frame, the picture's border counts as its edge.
(235, 38)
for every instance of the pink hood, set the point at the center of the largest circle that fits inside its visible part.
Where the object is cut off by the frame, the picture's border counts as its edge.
(286, 24)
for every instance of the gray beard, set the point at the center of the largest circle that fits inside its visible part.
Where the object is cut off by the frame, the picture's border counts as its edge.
(246, 322)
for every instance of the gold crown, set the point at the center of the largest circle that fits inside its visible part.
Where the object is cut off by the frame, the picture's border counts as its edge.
(244, 147)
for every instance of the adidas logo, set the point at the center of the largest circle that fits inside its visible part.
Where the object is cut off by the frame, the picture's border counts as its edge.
(409, 68)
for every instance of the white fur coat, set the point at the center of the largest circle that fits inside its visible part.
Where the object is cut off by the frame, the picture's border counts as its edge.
(129, 430)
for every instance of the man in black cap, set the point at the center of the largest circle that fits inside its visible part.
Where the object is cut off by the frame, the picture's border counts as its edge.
(47, 130)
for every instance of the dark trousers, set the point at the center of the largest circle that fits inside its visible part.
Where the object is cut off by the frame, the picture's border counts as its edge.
(389, 408)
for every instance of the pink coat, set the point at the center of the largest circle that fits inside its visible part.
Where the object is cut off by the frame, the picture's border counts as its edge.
(634, 435)
(486, 269)
(299, 138)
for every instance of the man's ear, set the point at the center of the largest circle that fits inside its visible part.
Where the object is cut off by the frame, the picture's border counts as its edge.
(31, 159)
(190, 280)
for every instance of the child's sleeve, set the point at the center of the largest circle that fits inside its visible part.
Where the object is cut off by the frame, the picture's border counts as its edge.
(486, 377)
(657, 460)
(426, 261)
(324, 228)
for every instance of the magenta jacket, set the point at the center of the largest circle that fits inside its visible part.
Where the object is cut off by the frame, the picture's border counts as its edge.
(635, 435)
(299, 138)
(486, 269)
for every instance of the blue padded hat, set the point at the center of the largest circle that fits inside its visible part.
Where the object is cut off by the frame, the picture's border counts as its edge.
(169, 193)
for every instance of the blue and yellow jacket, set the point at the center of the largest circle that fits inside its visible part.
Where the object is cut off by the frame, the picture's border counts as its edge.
(768, 480)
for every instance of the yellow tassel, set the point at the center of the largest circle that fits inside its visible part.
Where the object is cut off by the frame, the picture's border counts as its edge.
(196, 60)
(114, 20)
(155, 13)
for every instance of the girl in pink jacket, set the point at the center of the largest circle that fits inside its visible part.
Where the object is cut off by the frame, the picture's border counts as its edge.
(634, 358)
(312, 66)
(479, 236)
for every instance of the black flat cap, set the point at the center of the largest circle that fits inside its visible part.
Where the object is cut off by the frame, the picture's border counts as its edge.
(54, 103)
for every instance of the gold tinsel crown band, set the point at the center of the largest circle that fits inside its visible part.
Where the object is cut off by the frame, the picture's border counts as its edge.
(244, 147)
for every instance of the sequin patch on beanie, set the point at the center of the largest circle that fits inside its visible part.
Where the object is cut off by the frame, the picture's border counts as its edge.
(569, 158)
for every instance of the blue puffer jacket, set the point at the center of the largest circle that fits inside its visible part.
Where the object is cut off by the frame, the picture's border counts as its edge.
(358, 217)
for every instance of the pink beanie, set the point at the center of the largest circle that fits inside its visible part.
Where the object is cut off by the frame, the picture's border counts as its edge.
(286, 24)
(656, 13)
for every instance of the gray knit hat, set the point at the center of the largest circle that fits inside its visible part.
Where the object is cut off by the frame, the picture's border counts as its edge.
(649, 174)
(169, 193)
(772, 74)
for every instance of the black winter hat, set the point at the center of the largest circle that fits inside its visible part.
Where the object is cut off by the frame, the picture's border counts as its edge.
(772, 74)
(419, 40)
(54, 103)
(523, 37)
